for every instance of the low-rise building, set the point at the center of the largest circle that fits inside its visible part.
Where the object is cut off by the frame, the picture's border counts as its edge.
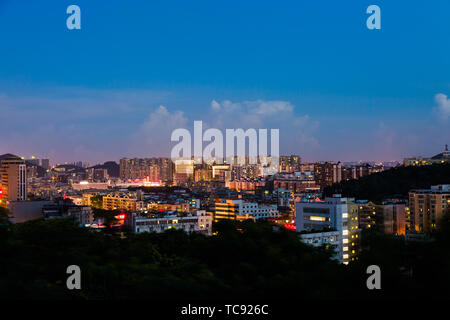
(22, 211)
(120, 201)
(238, 209)
(198, 221)
(82, 214)
(328, 239)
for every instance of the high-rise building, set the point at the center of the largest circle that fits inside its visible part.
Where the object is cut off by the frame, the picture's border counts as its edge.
(33, 161)
(327, 173)
(246, 172)
(100, 174)
(45, 163)
(153, 169)
(218, 171)
(427, 206)
(13, 172)
(289, 163)
(354, 232)
(332, 214)
(202, 174)
(391, 218)
(185, 167)
(367, 215)
(165, 169)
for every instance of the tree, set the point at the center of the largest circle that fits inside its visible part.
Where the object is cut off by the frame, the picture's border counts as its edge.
(5, 224)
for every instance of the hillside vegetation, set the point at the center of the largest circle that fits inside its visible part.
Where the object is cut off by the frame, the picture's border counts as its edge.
(393, 182)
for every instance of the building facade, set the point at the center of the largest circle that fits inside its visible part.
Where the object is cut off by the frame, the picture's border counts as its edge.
(242, 210)
(120, 201)
(427, 206)
(198, 221)
(13, 172)
(332, 214)
(153, 169)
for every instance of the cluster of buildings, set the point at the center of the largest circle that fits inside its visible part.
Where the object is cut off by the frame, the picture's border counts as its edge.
(156, 194)
(342, 219)
(443, 157)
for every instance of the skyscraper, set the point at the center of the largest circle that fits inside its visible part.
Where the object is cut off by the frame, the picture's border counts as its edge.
(14, 181)
(45, 163)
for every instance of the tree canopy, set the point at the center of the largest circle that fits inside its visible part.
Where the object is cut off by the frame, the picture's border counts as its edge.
(244, 259)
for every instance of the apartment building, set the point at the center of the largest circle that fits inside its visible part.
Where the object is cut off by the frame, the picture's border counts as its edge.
(332, 214)
(242, 210)
(13, 185)
(198, 221)
(120, 201)
(427, 206)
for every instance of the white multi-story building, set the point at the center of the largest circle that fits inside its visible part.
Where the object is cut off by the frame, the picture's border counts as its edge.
(331, 238)
(332, 214)
(241, 210)
(257, 211)
(198, 221)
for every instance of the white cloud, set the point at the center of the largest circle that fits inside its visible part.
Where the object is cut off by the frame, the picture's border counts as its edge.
(163, 120)
(443, 106)
(296, 131)
(215, 105)
(153, 136)
(268, 108)
(68, 124)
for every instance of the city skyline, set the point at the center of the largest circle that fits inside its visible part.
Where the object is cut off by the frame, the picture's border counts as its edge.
(83, 162)
(197, 153)
(336, 90)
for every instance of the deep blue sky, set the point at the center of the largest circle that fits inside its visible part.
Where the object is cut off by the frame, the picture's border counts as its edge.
(138, 69)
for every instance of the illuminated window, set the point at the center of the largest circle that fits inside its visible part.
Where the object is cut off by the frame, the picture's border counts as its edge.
(316, 218)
